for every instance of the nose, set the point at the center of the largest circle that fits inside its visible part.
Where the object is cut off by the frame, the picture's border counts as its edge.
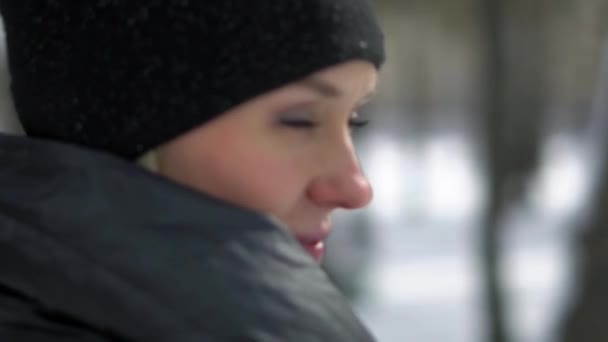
(342, 183)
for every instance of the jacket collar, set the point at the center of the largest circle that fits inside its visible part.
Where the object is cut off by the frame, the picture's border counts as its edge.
(103, 241)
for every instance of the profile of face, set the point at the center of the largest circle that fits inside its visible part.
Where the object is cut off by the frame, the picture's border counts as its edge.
(287, 153)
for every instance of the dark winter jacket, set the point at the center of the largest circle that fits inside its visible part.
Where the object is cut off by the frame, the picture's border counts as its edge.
(94, 248)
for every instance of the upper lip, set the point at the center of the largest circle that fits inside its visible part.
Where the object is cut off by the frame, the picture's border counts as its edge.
(310, 239)
(314, 237)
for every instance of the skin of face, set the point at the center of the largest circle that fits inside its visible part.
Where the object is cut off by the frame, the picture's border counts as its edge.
(287, 153)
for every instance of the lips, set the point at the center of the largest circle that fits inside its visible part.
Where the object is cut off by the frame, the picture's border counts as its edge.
(315, 250)
(314, 244)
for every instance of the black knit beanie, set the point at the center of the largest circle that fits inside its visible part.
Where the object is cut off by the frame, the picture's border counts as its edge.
(125, 76)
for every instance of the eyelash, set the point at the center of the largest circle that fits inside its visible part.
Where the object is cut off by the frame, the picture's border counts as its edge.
(309, 124)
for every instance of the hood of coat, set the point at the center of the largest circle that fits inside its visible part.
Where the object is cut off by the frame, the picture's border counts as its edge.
(91, 243)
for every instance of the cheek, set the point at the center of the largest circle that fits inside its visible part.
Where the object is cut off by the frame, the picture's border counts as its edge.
(262, 179)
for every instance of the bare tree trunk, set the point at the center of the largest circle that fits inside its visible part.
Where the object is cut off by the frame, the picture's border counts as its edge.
(587, 320)
(493, 82)
(512, 106)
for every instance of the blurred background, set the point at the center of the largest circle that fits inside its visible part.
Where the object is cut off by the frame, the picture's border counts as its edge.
(487, 154)
(486, 150)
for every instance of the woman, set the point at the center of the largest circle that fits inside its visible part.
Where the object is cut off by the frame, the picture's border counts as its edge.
(246, 108)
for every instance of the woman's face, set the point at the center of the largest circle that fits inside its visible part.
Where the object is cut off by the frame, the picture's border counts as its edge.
(288, 153)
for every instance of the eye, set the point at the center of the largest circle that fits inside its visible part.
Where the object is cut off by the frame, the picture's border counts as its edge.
(298, 120)
(355, 122)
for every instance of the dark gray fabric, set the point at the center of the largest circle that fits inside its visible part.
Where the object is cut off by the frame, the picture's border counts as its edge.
(93, 248)
(127, 75)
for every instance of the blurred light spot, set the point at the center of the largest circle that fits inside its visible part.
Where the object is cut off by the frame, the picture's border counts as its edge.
(533, 277)
(445, 278)
(388, 173)
(453, 186)
(563, 181)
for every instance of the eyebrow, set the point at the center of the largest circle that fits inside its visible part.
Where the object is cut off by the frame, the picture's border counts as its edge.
(367, 97)
(321, 87)
(327, 89)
